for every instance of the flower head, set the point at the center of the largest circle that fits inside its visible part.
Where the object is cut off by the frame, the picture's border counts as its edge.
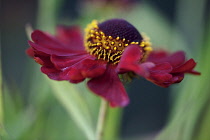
(109, 49)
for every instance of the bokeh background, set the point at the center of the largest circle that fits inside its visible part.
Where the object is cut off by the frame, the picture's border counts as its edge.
(34, 108)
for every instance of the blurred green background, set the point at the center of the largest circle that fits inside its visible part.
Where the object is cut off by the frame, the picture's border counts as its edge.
(36, 108)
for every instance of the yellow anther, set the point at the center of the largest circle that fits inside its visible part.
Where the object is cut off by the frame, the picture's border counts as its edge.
(120, 45)
(101, 33)
(107, 47)
(97, 33)
(106, 43)
(113, 43)
(92, 36)
(98, 37)
(110, 37)
(142, 44)
(99, 44)
(115, 48)
(126, 45)
(118, 38)
(133, 42)
(124, 39)
(148, 48)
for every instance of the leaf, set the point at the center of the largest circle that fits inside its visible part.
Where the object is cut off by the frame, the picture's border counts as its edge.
(75, 104)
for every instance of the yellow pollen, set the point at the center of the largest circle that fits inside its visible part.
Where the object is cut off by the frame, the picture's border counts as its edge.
(108, 48)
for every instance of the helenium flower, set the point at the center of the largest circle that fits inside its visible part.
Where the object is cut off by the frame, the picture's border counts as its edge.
(109, 50)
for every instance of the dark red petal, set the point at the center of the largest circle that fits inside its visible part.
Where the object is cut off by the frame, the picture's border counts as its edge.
(86, 69)
(48, 44)
(110, 87)
(186, 67)
(75, 75)
(51, 72)
(130, 61)
(177, 78)
(160, 77)
(64, 74)
(157, 56)
(161, 68)
(61, 62)
(160, 74)
(174, 59)
(81, 65)
(71, 36)
(194, 72)
(93, 68)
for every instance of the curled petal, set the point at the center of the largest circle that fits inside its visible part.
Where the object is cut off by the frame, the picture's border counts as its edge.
(109, 87)
(186, 67)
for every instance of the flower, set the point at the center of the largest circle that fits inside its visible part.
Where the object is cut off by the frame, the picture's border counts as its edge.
(109, 49)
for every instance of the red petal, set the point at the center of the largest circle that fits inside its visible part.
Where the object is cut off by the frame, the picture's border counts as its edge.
(130, 61)
(186, 67)
(48, 44)
(174, 59)
(86, 69)
(110, 87)
(61, 62)
(194, 72)
(161, 68)
(93, 68)
(160, 77)
(156, 56)
(83, 65)
(71, 36)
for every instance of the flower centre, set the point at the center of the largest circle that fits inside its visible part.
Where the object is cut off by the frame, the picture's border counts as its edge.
(108, 39)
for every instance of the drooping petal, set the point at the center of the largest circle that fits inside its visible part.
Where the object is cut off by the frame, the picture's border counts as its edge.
(74, 69)
(71, 36)
(109, 87)
(130, 61)
(186, 67)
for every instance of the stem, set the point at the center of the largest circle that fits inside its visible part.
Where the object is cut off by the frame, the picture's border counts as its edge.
(101, 119)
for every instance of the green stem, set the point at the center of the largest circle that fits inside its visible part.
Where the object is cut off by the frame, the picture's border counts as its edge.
(101, 120)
